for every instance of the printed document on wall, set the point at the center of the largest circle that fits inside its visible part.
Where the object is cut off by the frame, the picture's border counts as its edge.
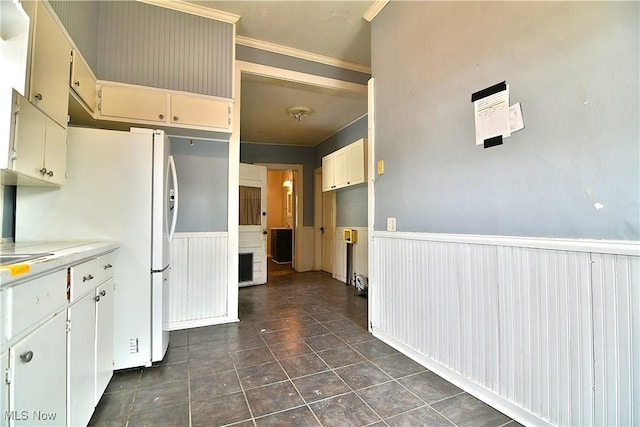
(492, 116)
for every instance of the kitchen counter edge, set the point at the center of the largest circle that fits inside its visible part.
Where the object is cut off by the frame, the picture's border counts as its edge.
(63, 254)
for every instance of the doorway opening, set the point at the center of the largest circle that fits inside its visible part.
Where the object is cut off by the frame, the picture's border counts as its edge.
(283, 192)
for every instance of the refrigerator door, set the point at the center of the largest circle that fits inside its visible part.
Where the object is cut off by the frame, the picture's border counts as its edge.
(160, 294)
(162, 191)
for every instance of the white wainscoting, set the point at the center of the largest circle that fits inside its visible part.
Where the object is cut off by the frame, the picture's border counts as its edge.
(198, 280)
(360, 253)
(545, 330)
(304, 255)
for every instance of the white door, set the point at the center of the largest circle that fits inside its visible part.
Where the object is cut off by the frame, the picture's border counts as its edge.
(252, 239)
(328, 229)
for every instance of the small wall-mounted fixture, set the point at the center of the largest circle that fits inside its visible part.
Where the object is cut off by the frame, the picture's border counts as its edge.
(287, 183)
(298, 112)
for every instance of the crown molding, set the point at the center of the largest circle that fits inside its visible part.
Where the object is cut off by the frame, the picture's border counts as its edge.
(194, 9)
(375, 8)
(301, 54)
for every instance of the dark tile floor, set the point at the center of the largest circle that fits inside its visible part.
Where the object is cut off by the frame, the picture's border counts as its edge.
(300, 356)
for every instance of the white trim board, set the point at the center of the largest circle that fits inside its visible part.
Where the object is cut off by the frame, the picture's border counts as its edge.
(302, 54)
(617, 247)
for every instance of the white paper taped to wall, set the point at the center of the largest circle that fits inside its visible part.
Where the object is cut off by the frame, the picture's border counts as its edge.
(515, 118)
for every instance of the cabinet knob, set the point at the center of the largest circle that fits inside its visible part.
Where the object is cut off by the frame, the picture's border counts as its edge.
(103, 293)
(108, 266)
(77, 83)
(50, 174)
(38, 96)
(96, 298)
(43, 171)
(161, 116)
(175, 118)
(87, 278)
(27, 356)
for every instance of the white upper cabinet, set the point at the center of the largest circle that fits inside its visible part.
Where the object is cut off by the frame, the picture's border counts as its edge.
(139, 104)
(200, 111)
(344, 167)
(51, 56)
(39, 146)
(124, 103)
(83, 81)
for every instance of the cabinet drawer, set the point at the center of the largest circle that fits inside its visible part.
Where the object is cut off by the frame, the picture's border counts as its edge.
(32, 301)
(84, 277)
(106, 265)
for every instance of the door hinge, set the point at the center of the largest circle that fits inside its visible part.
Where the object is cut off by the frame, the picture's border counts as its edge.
(67, 326)
(7, 376)
(99, 106)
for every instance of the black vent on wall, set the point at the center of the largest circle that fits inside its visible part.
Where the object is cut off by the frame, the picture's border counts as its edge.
(245, 268)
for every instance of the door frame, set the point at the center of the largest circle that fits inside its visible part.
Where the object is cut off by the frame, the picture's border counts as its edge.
(298, 193)
(240, 68)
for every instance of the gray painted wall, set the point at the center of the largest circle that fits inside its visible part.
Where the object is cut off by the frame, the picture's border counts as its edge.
(81, 20)
(154, 46)
(259, 56)
(287, 154)
(203, 170)
(351, 202)
(573, 66)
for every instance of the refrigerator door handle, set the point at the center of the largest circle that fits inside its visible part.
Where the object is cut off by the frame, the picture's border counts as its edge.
(174, 177)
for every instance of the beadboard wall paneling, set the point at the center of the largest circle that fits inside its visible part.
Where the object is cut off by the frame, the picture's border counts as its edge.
(81, 20)
(198, 289)
(152, 46)
(546, 335)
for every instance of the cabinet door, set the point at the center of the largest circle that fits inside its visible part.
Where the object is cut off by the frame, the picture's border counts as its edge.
(39, 369)
(328, 167)
(340, 171)
(29, 140)
(196, 111)
(355, 163)
(82, 81)
(50, 67)
(55, 153)
(82, 338)
(135, 104)
(4, 389)
(104, 336)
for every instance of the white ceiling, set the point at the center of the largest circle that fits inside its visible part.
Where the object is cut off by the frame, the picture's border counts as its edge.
(334, 29)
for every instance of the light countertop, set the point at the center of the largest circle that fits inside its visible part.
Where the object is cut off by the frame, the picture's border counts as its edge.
(55, 255)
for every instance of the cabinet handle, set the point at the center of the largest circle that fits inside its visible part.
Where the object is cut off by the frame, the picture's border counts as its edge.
(38, 96)
(103, 293)
(161, 116)
(175, 118)
(50, 174)
(43, 171)
(108, 266)
(96, 298)
(26, 357)
(77, 83)
(87, 278)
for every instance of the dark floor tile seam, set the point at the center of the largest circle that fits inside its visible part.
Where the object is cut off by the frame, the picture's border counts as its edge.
(449, 397)
(246, 401)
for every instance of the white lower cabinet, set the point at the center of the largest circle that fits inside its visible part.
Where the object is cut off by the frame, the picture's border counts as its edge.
(104, 336)
(82, 353)
(38, 365)
(4, 388)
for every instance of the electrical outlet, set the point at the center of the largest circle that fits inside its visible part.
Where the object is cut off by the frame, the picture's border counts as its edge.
(391, 224)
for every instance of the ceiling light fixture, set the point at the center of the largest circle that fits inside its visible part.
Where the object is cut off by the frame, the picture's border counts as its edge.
(299, 113)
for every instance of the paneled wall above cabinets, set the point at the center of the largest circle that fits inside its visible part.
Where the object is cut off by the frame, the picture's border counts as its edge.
(147, 45)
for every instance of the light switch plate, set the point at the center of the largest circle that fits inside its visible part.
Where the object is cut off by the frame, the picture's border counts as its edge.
(391, 224)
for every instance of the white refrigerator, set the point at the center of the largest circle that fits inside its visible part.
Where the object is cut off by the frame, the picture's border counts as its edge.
(121, 186)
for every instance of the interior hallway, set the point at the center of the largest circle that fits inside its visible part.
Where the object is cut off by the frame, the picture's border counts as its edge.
(300, 356)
